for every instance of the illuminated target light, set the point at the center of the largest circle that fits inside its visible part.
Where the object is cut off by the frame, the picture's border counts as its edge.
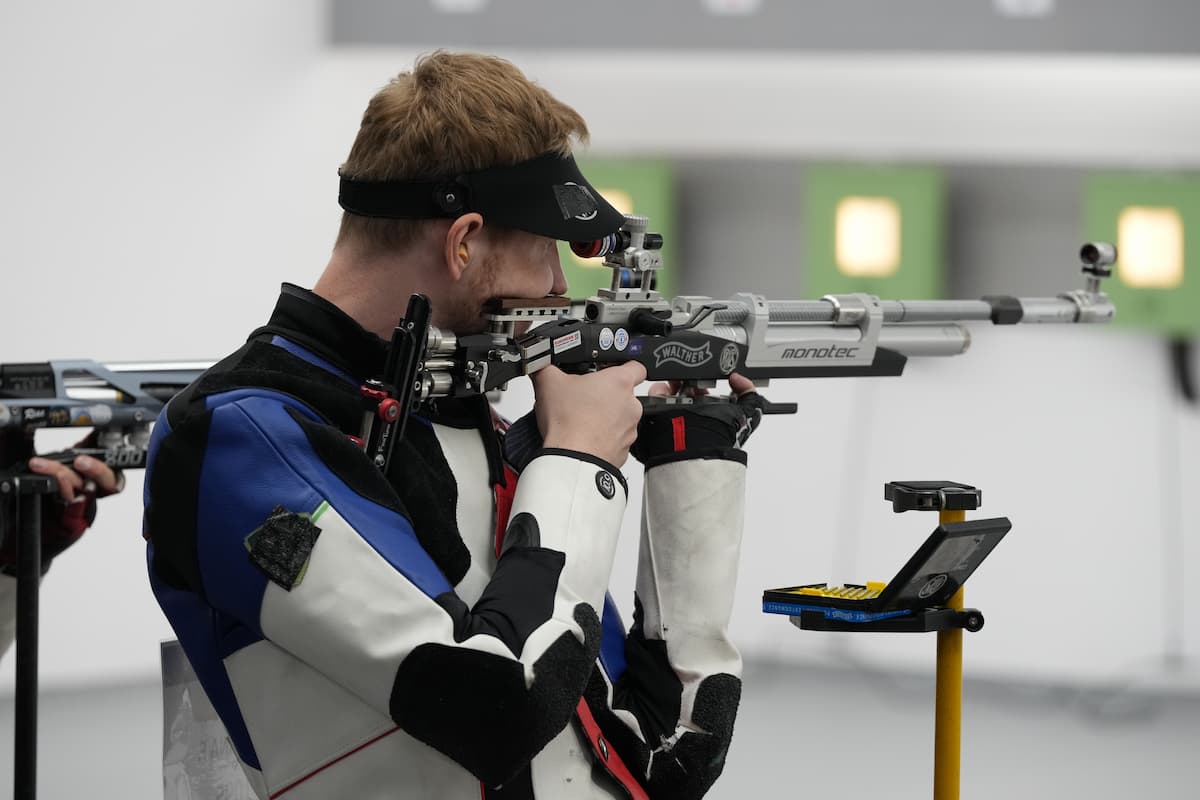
(1150, 247)
(620, 200)
(873, 228)
(867, 237)
(1150, 218)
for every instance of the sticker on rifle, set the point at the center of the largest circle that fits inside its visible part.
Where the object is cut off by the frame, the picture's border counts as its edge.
(621, 340)
(729, 358)
(572, 339)
(91, 415)
(682, 354)
(606, 338)
(635, 347)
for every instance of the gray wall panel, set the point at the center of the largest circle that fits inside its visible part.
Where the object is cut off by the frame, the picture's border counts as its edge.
(1010, 230)
(1072, 26)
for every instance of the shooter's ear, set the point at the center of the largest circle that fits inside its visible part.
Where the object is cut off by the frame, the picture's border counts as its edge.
(463, 245)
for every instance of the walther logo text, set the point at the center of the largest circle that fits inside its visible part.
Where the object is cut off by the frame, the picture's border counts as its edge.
(820, 352)
(682, 354)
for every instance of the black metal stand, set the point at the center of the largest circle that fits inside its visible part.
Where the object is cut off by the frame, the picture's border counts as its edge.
(27, 492)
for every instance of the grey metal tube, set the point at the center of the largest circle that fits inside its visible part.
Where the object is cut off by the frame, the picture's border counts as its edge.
(1036, 309)
(159, 366)
(908, 339)
(1049, 309)
(893, 311)
(936, 311)
(926, 340)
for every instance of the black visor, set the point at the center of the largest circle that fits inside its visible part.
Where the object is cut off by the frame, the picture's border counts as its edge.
(547, 195)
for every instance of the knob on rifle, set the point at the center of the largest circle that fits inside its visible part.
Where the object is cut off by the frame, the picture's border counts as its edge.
(651, 323)
(389, 410)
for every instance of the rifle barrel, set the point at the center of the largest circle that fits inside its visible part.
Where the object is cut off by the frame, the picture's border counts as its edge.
(1034, 309)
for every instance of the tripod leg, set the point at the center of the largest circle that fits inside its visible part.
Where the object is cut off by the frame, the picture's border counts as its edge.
(29, 575)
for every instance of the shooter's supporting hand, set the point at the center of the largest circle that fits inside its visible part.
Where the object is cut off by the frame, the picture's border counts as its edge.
(67, 516)
(671, 432)
(86, 475)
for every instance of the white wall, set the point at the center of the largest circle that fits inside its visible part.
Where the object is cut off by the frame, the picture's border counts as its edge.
(166, 171)
(158, 185)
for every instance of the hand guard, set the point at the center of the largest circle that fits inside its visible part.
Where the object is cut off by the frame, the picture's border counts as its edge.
(704, 429)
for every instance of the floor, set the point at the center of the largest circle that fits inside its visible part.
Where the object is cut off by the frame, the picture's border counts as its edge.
(803, 731)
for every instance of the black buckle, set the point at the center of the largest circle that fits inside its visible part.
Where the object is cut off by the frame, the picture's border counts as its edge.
(451, 198)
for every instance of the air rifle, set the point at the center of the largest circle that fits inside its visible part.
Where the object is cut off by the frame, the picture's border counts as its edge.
(118, 401)
(692, 339)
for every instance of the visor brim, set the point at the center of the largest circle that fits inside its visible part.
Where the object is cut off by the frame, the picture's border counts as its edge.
(547, 196)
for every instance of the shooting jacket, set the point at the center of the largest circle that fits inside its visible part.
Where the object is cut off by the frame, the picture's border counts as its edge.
(441, 631)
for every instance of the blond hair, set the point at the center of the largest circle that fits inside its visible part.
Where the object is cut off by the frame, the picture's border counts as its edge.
(454, 113)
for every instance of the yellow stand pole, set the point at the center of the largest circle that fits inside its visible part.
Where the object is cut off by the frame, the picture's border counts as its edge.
(947, 732)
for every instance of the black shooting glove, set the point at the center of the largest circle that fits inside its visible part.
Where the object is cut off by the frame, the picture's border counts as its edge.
(706, 428)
